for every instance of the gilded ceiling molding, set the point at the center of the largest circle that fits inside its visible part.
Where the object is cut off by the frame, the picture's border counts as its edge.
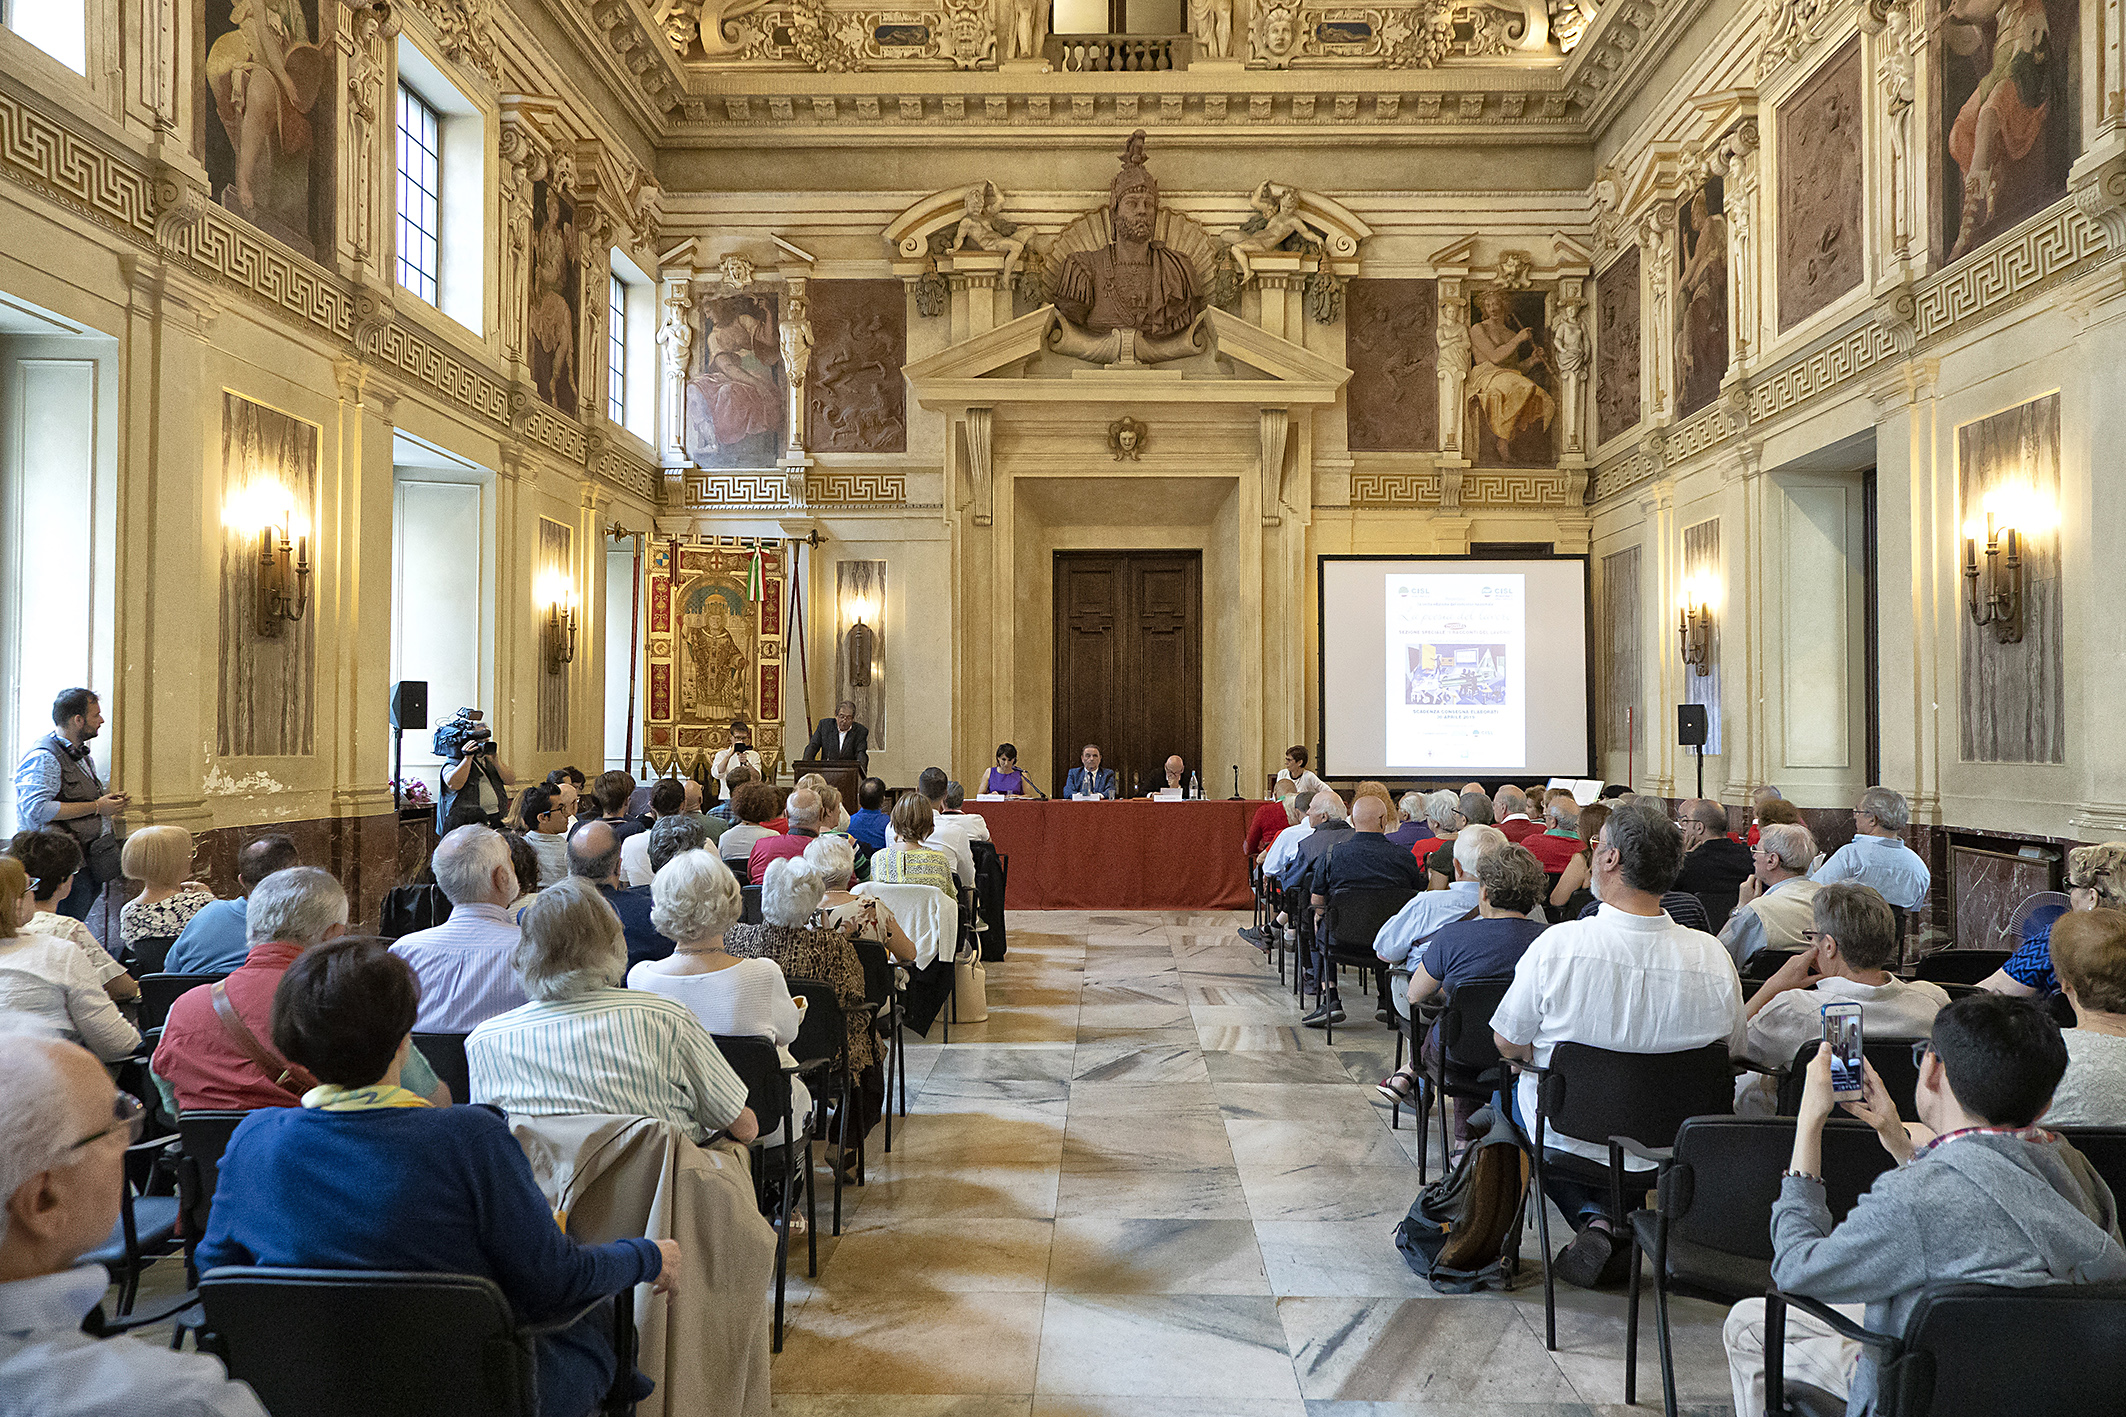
(1500, 113)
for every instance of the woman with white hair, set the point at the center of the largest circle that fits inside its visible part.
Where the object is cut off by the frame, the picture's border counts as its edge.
(789, 897)
(2096, 880)
(857, 916)
(585, 1044)
(1414, 826)
(694, 900)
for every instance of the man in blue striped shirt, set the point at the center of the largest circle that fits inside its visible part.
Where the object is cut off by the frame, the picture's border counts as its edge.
(464, 963)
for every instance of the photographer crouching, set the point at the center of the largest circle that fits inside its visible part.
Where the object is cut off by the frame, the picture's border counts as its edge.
(475, 779)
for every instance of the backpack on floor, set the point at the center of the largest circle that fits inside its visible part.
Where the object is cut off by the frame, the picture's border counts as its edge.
(1464, 1231)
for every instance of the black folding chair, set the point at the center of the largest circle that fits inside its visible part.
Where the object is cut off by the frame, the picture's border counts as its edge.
(145, 955)
(159, 991)
(445, 1054)
(1352, 917)
(882, 990)
(823, 1039)
(147, 1223)
(1470, 1066)
(749, 904)
(1948, 1361)
(1763, 965)
(1892, 1060)
(410, 908)
(1959, 966)
(2105, 1148)
(202, 1137)
(1594, 1094)
(1709, 1233)
(364, 1343)
(768, 1093)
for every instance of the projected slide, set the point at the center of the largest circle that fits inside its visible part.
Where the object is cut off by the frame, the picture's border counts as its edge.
(1459, 644)
(1454, 666)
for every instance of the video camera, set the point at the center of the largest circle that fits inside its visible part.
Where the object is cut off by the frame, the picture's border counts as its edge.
(463, 736)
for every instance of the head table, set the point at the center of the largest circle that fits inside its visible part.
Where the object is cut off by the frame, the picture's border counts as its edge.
(1136, 855)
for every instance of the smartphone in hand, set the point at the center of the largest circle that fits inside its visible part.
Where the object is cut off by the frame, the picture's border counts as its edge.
(1841, 1038)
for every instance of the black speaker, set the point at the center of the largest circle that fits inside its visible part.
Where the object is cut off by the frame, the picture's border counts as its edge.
(409, 703)
(1690, 725)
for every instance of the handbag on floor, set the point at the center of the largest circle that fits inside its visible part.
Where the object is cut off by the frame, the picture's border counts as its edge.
(1464, 1231)
(970, 988)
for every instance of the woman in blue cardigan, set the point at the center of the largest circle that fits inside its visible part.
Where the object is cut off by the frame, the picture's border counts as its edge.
(366, 1175)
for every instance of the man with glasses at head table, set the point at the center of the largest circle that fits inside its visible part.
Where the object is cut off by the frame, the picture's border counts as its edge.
(60, 1174)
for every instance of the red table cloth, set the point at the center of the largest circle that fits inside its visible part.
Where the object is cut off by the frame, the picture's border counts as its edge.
(1137, 855)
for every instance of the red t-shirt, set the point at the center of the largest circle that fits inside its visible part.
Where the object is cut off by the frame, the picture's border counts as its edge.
(1555, 852)
(1269, 820)
(204, 1067)
(1519, 829)
(775, 848)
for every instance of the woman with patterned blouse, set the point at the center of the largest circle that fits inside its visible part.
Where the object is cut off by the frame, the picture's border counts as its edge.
(906, 861)
(158, 858)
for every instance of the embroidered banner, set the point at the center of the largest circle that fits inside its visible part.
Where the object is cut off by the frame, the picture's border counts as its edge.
(712, 653)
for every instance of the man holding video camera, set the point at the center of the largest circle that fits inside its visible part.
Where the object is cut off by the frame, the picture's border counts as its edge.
(475, 779)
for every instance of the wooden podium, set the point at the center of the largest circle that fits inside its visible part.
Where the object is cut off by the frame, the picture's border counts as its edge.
(841, 773)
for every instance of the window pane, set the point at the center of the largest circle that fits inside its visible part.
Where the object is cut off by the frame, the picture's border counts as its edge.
(59, 29)
(420, 191)
(615, 350)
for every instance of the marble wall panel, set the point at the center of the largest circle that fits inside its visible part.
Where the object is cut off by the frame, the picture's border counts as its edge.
(1701, 564)
(364, 854)
(1985, 886)
(1701, 297)
(1820, 187)
(1618, 391)
(265, 683)
(2012, 697)
(2031, 115)
(1393, 396)
(1622, 668)
(860, 590)
(556, 543)
(855, 398)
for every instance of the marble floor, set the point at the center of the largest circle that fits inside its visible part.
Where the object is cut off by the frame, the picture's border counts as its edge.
(1141, 1190)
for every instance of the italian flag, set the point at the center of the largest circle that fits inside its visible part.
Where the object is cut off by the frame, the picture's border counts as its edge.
(753, 577)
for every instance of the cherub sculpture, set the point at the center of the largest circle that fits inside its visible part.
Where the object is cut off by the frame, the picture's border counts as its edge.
(983, 226)
(1281, 217)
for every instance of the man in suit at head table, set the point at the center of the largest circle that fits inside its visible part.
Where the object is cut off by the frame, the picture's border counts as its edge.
(1089, 779)
(841, 739)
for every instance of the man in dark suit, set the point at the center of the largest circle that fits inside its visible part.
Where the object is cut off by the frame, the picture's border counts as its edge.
(1089, 779)
(1714, 867)
(841, 739)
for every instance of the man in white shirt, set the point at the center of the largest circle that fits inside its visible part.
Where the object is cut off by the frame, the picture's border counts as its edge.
(1773, 907)
(739, 752)
(972, 823)
(1854, 943)
(947, 833)
(670, 797)
(1877, 855)
(1628, 979)
(1429, 910)
(60, 1173)
(1283, 854)
(463, 963)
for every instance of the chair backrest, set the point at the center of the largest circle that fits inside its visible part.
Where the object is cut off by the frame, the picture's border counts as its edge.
(878, 971)
(1892, 1060)
(410, 908)
(1356, 913)
(749, 905)
(145, 955)
(1765, 963)
(1465, 1024)
(203, 1137)
(309, 1341)
(1593, 1094)
(824, 1032)
(1952, 1362)
(159, 991)
(1727, 1171)
(2105, 1147)
(445, 1053)
(1959, 966)
(759, 1067)
(930, 916)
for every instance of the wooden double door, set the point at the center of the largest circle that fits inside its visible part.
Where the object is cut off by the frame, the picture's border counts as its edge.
(1129, 663)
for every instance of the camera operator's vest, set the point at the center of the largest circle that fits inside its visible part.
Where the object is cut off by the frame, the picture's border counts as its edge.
(77, 783)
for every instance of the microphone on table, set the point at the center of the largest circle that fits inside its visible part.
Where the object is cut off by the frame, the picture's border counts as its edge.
(1036, 789)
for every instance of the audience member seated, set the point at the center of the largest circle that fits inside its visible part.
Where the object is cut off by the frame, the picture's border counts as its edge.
(611, 791)
(725, 811)
(1411, 826)
(1332, 826)
(689, 831)
(1854, 947)
(1980, 1194)
(586, 1044)
(1772, 909)
(907, 860)
(524, 868)
(61, 1174)
(218, 939)
(1283, 855)
(1714, 864)
(543, 820)
(160, 859)
(803, 812)
(48, 979)
(1877, 855)
(2096, 880)
(670, 797)
(1432, 911)
(955, 806)
(1295, 772)
(947, 833)
(832, 818)
(860, 917)
(752, 805)
(208, 1060)
(1773, 811)
(697, 901)
(789, 897)
(1573, 894)
(868, 823)
(1363, 860)
(463, 963)
(1559, 841)
(568, 785)
(1630, 980)
(52, 857)
(366, 1175)
(594, 856)
(1512, 808)
(2089, 957)
(1269, 821)
(1509, 883)
(1471, 809)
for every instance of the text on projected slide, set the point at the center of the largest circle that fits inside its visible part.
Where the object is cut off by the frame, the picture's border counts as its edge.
(1456, 650)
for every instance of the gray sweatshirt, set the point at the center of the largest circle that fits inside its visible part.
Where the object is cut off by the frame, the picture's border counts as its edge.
(1988, 1208)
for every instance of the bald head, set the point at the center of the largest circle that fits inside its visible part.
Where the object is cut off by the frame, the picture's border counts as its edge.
(594, 853)
(1370, 814)
(803, 809)
(1174, 768)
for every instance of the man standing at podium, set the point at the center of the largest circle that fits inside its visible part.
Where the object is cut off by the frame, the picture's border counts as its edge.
(1089, 779)
(841, 739)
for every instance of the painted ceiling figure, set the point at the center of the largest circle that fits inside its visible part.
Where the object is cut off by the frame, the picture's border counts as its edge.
(1137, 282)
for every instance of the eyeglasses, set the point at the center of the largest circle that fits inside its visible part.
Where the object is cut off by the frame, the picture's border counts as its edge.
(126, 1113)
(1810, 937)
(1920, 1050)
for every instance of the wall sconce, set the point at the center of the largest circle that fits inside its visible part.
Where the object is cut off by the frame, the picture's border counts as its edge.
(1694, 625)
(283, 591)
(557, 597)
(862, 642)
(1999, 604)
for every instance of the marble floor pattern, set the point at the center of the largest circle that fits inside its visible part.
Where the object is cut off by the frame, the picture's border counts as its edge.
(1140, 1190)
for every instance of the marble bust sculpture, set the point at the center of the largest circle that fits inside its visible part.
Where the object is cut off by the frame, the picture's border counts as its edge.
(1134, 299)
